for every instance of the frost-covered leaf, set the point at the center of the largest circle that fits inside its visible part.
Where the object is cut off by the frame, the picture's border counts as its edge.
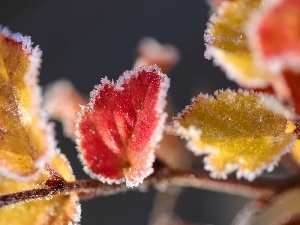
(256, 43)
(171, 150)
(274, 39)
(151, 52)
(62, 93)
(24, 133)
(275, 36)
(58, 210)
(227, 43)
(238, 131)
(119, 129)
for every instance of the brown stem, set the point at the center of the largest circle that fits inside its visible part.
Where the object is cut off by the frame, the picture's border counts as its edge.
(53, 172)
(92, 188)
(202, 180)
(24, 196)
(82, 187)
(163, 176)
(56, 180)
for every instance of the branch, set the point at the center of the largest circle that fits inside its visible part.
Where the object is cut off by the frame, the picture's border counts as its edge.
(82, 187)
(202, 180)
(162, 177)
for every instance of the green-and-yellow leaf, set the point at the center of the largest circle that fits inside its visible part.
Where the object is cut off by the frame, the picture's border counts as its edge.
(237, 130)
(61, 209)
(24, 132)
(227, 42)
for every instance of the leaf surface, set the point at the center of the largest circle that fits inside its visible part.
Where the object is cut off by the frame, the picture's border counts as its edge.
(57, 210)
(227, 43)
(24, 133)
(237, 131)
(275, 35)
(119, 129)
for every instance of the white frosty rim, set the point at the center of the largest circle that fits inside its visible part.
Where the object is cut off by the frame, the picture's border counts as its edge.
(31, 79)
(192, 134)
(136, 177)
(232, 71)
(247, 174)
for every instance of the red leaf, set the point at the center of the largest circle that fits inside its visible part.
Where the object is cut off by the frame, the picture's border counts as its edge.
(293, 80)
(275, 34)
(119, 129)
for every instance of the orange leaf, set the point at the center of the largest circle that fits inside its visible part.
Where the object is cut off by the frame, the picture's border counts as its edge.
(60, 209)
(151, 52)
(24, 133)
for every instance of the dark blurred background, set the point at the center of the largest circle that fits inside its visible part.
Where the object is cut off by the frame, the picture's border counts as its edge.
(86, 40)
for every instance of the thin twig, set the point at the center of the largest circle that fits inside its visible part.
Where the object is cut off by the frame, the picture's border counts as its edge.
(202, 180)
(163, 176)
(82, 187)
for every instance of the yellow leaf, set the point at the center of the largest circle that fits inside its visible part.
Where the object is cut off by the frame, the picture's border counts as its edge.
(227, 42)
(237, 130)
(24, 133)
(61, 209)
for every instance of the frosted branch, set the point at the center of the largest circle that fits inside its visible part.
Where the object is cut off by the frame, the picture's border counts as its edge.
(162, 177)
